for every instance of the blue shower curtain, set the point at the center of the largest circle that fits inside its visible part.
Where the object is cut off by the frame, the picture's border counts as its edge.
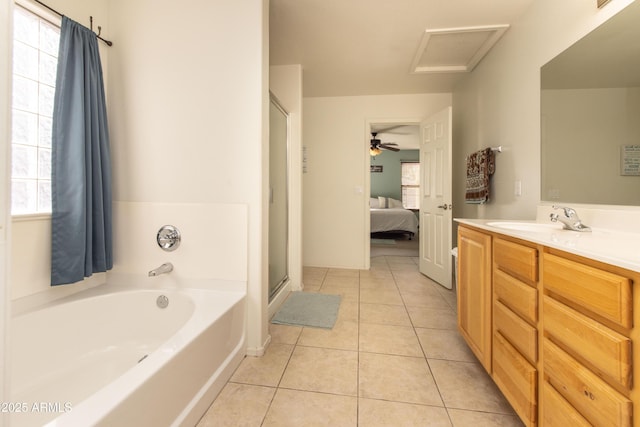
(81, 165)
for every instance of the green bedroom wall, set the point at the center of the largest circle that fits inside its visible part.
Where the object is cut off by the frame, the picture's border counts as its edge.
(387, 183)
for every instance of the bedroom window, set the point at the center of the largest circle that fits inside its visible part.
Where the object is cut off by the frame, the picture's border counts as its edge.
(35, 62)
(410, 185)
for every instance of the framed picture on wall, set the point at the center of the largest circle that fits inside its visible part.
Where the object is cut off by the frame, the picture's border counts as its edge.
(376, 168)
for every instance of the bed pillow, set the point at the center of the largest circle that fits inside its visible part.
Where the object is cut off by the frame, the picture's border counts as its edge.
(383, 202)
(396, 204)
(373, 202)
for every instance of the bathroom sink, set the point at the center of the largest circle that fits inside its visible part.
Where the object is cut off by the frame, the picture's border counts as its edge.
(536, 227)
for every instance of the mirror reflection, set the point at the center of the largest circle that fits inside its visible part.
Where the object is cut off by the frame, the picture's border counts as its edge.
(590, 105)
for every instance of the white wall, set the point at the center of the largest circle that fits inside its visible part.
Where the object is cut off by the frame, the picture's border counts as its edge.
(213, 244)
(499, 103)
(336, 185)
(188, 98)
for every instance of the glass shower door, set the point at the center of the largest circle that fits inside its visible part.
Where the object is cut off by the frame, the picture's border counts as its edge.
(278, 203)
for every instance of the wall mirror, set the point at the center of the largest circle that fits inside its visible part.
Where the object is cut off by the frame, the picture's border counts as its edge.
(590, 105)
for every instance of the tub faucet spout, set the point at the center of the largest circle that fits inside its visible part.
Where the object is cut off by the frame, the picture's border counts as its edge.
(167, 267)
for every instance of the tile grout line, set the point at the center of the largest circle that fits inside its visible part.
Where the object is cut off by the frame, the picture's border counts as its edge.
(295, 345)
(426, 359)
(390, 271)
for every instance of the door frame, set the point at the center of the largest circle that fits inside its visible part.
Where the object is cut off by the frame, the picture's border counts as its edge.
(367, 176)
(285, 281)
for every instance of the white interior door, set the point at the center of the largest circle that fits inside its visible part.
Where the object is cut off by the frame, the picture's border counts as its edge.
(435, 197)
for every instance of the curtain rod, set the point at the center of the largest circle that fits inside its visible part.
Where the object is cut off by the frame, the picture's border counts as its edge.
(108, 42)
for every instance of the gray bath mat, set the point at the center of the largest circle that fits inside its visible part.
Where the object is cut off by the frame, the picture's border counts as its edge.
(308, 309)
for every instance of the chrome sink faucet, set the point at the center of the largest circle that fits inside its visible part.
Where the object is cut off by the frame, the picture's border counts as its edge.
(570, 220)
(167, 267)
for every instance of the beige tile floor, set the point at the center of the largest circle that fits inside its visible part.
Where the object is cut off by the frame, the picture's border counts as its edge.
(394, 358)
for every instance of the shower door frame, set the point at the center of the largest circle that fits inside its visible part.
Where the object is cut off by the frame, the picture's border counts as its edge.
(285, 279)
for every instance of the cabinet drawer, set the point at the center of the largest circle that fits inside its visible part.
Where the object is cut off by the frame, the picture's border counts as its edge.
(521, 298)
(516, 259)
(516, 378)
(602, 293)
(558, 412)
(606, 350)
(518, 332)
(598, 402)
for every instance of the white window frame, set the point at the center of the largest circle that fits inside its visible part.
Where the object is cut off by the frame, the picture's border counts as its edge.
(403, 185)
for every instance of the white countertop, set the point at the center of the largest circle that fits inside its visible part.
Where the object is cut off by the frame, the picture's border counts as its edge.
(614, 247)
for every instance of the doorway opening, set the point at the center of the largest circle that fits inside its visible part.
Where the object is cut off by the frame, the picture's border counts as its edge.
(393, 188)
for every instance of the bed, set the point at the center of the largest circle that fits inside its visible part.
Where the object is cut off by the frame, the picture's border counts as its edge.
(391, 217)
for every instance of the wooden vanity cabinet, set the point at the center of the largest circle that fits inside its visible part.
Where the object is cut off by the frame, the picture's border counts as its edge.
(474, 292)
(587, 346)
(554, 330)
(515, 332)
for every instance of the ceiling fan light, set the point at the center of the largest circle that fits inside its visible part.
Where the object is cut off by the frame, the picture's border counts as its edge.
(374, 151)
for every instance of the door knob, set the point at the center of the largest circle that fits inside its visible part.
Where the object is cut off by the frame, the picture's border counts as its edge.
(445, 207)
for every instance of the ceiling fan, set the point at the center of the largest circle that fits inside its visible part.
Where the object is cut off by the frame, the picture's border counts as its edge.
(377, 145)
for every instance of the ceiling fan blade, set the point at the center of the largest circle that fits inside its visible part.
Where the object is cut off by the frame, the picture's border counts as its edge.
(388, 147)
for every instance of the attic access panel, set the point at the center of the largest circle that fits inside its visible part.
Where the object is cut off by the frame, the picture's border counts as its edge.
(455, 49)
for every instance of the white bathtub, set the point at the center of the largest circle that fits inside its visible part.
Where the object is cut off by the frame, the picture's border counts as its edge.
(110, 356)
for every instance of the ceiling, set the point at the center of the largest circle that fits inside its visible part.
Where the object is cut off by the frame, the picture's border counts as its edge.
(368, 47)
